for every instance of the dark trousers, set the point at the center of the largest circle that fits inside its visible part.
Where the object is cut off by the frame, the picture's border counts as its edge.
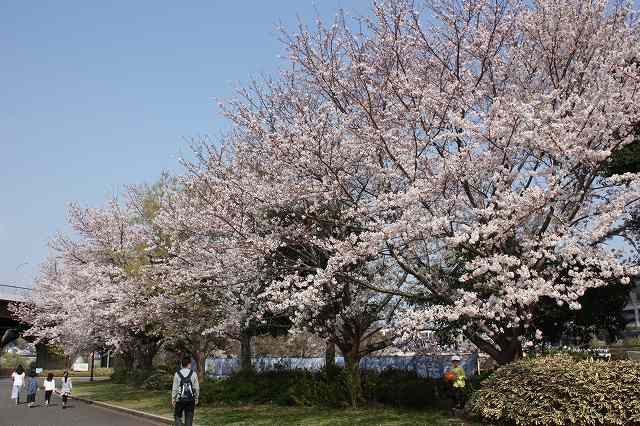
(47, 396)
(31, 397)
(458, 397)
(186, 407)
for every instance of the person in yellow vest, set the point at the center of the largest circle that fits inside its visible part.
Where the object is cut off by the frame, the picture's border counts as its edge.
(458, 383)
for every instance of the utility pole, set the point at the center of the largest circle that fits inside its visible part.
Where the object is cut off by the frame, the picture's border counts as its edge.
(93, 358)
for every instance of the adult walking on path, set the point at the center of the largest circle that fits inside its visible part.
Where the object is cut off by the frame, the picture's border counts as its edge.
(18, 381)
(184, 393)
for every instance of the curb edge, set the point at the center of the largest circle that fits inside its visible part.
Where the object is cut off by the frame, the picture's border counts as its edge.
(130, 411)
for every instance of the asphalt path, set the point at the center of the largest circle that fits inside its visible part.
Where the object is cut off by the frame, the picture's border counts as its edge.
(77, 413)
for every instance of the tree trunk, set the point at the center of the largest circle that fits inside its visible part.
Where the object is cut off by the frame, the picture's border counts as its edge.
(143, 359)
(128, 359)
(42, 356)
(507, 350)
(201, 359)
(330, 355)
(245, 352)
(352, 371)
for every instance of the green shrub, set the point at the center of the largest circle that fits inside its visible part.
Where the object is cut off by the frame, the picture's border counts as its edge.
(12, 360)
(158, 380)
(632, 341)
(97, 372)
(119, 376)
(251, 387)
(133, 377)
(402, 388)
(559, 390)
(327, 388)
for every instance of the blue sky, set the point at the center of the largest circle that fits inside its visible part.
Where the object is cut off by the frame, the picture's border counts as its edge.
(97, 95)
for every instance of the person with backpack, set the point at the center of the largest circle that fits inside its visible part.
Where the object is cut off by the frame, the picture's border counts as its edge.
(184, 393)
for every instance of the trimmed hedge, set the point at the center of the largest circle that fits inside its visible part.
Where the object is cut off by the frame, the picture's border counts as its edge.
(158, 379)
(252, 388)
(97, 372)
(329, 388)
(560, 391)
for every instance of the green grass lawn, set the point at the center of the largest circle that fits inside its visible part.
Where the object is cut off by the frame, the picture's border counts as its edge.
(159, 403)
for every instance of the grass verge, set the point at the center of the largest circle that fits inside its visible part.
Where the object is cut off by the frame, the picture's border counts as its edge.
(158, 402)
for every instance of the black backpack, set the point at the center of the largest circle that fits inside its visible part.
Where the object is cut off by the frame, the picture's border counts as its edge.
(186, 388)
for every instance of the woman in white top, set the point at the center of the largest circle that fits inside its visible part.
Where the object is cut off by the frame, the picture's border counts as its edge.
(49, 387)
(18, 382)
(65, 390)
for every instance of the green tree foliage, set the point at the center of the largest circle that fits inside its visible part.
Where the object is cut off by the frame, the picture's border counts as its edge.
(601, 311)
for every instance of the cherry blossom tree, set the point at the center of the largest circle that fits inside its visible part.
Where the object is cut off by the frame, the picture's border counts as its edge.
(342, 310)
(58, 312)
(467, 138)
(92, 287)
(214, 228)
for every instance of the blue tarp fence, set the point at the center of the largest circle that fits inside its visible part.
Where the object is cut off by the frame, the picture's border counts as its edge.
(426, 366)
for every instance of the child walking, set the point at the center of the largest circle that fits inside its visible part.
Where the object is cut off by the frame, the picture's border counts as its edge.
(32, 388)
(65, 391)
(49, 387)
(459, 383)
(18, 382)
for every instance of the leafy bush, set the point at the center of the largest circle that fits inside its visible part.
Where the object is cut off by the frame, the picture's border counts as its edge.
(97, 372)
(632, 341)
(300, 387)
(403, 388)
(133, 377)
(327, 388)
(575, 354)
(251, 387)
(119, 376)
(559, 390)
(158, 380)
(12, 360)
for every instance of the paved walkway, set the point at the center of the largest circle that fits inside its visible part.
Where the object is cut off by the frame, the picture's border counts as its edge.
(77, 414)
